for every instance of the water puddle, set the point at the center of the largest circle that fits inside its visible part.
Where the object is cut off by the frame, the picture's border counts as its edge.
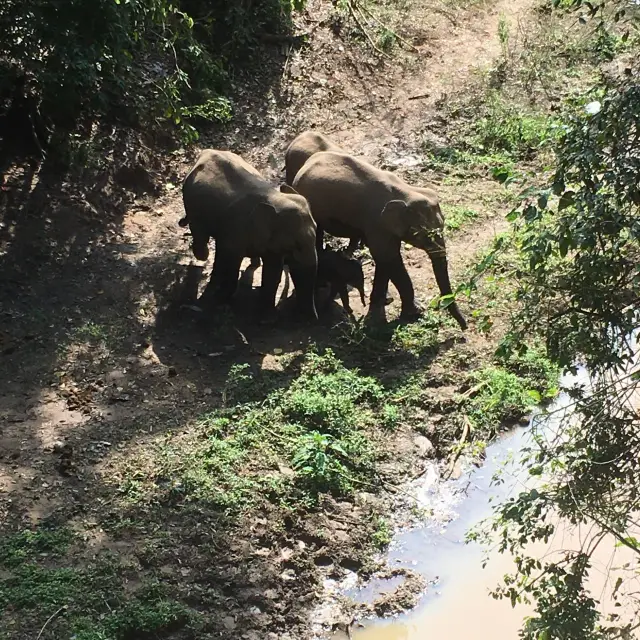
(457, 603)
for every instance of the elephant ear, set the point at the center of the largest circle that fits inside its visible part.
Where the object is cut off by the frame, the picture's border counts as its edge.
(396, 217)
(285, 188)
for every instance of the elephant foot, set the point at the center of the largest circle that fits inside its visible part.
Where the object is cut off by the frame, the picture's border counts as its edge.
(376, 314)
(458, 317)
(411, 314)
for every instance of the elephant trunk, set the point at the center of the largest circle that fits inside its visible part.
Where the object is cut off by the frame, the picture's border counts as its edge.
(441, 272)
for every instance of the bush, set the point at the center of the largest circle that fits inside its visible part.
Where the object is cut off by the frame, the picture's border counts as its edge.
(142, 62)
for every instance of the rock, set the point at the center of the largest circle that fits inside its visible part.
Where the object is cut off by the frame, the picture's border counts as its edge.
(424, 446)
(172, 372)
(229, 623)
(58, 446)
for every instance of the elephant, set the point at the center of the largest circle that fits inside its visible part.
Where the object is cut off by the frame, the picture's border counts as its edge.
(300, 150)
(350, 197)
(338, 270)
(227, 199)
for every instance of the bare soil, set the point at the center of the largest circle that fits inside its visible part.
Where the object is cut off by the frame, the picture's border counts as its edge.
(98, 358)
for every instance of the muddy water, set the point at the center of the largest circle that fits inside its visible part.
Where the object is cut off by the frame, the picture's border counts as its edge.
(457, 603)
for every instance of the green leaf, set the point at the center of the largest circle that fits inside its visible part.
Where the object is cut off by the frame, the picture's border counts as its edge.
(535, 395)
(512, 215)
(566, 200)
(543, 200)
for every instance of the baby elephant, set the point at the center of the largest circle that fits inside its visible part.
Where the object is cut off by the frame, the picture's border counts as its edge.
(338, 270)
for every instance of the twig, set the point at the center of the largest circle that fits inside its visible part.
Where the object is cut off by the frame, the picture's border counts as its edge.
(463, 438)
(473, 390)
(354, 15)
(384, 26)
(53, 616)
(420, 96)
(285, 68)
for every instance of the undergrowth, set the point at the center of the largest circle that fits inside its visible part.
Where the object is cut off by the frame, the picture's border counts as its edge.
(86, 602)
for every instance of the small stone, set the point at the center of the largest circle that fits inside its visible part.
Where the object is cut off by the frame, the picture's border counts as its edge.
(172, 372)
(229, 623)
(58, 446)
(424, 446)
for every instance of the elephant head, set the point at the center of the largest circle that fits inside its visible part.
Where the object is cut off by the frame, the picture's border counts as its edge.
(418, 220)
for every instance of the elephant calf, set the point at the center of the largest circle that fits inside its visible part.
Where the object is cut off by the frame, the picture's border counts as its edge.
(339, 271)
(351, 198)
(228, 200)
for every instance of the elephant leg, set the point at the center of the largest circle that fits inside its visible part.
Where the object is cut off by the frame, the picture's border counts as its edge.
(214, 279)
(380, 284)
(441, 272)
(400, 278)
(354, 245)
(344, 297)
(304, 282)
(272, 265)
(228, 276)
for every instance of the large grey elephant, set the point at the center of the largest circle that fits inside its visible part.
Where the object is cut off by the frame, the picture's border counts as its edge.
(227, 199)
(302, 148)
(350, 198)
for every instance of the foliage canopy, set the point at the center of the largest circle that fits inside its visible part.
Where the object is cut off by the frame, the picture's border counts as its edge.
(141, 62)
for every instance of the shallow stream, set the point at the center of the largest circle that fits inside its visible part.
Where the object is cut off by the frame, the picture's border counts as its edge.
(457, 604)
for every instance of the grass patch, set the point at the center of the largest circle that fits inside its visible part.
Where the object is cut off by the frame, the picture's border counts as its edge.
(321, 426)
(29, 545)
(419, 338)
(510, 129)
(382, 533)
(502, 397)
(456, 217)
(92, 597)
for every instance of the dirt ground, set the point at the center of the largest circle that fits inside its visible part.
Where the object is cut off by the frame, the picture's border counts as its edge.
(98, 357)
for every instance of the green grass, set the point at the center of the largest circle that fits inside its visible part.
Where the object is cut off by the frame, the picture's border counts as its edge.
(29, 545)
(316, 425)
(39, 580)
(504, 394)
(510, 129)
(419, 338)
(456, 217)
(382, 533)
